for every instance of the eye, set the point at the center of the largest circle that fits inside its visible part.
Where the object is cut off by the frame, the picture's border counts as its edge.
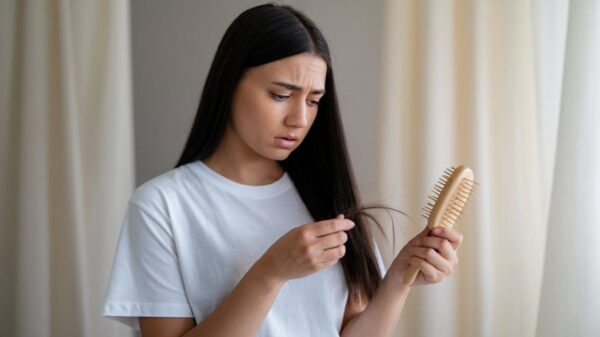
(313, 103)
(279, 98)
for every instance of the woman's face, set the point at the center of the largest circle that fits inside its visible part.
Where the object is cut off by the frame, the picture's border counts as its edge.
(275, 101)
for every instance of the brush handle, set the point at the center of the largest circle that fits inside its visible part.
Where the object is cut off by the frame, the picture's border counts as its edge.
(410, 275)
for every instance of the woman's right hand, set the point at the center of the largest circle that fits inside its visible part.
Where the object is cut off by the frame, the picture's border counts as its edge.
(306, 249)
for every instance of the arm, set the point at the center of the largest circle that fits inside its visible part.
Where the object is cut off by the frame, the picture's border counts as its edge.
(247, 305)
(434, 255)
(302, 251)
(380, 316)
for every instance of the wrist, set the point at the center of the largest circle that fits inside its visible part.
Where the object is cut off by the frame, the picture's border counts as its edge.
(261, 272)
(394, 282)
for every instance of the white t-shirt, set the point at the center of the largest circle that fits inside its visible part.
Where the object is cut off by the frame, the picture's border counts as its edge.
(190, 234)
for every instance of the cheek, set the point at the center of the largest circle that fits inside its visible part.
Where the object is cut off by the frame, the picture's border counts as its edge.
(256, 119)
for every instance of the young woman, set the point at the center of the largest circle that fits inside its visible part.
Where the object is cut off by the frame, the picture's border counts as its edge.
(258, 231)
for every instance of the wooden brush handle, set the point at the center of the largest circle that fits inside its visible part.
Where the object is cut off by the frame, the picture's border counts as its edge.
(410, 275)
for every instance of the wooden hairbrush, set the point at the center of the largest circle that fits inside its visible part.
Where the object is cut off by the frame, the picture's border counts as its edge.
(448, 199)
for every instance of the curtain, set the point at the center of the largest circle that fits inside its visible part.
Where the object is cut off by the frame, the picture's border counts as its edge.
(509, 88)
(570, 292)
(66, 160)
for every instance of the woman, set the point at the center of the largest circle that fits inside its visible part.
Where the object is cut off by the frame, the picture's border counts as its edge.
(258, 230)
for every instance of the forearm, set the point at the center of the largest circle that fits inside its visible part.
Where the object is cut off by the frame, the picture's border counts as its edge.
(380, 317)
(243, 310)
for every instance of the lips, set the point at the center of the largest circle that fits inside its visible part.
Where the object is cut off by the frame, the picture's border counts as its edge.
(285, 142)
(289, 137)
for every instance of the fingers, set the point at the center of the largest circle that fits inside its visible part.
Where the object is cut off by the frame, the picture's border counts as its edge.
(330, 226)
(442, 245)
(430, 273)
(332, 244)
(324, 240)
(332, 240)
(333, 254)
(433, 258)
(450, 234)
(435, 253)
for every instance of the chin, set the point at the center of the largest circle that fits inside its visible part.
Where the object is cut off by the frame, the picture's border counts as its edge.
(282, 156)
(279, 155)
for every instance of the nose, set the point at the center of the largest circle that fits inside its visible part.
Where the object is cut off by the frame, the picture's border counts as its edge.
(298, 115)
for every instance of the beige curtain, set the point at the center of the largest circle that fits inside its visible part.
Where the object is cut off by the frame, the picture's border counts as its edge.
(570, 301)
(66, 160)
(483, 83)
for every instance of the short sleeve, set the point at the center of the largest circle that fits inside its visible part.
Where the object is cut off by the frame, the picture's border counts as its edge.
(145, 278)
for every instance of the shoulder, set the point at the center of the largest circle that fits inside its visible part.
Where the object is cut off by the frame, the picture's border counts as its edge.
(156, 193)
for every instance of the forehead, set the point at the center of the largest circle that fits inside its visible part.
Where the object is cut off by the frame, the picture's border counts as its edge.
(303, 69)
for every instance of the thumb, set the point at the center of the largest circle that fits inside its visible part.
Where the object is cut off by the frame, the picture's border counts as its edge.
(340, 216)
(424, 232)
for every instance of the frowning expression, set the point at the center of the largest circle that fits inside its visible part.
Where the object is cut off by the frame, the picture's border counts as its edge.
(275, 104)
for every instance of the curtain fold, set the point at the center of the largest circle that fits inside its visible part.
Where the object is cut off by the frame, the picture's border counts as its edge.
(569, 304)
(480, 83)
(66, 160)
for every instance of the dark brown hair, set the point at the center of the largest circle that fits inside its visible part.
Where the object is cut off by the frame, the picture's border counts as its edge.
(320, 167)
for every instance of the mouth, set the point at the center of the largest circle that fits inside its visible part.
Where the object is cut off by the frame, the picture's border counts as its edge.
(286, 142)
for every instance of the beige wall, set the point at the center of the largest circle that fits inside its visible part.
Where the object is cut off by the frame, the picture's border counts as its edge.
(173, 46)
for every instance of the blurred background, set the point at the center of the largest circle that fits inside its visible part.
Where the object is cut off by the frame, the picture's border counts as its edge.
(97, 97)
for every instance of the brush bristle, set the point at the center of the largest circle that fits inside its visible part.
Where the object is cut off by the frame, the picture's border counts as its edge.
(453, 211)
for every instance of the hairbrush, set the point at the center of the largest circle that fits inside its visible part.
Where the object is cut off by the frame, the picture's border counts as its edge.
(448, 198)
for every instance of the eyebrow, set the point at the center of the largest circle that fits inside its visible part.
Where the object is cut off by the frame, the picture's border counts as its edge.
(297, 87)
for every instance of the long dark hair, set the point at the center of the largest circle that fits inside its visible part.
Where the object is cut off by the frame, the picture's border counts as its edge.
(320, 167)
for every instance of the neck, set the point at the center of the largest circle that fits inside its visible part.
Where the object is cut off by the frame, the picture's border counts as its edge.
(236, 161)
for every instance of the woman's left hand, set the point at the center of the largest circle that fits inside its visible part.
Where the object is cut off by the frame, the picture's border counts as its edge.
(433, 252)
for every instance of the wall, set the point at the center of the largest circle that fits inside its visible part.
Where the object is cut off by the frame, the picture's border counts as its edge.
(173, 46)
